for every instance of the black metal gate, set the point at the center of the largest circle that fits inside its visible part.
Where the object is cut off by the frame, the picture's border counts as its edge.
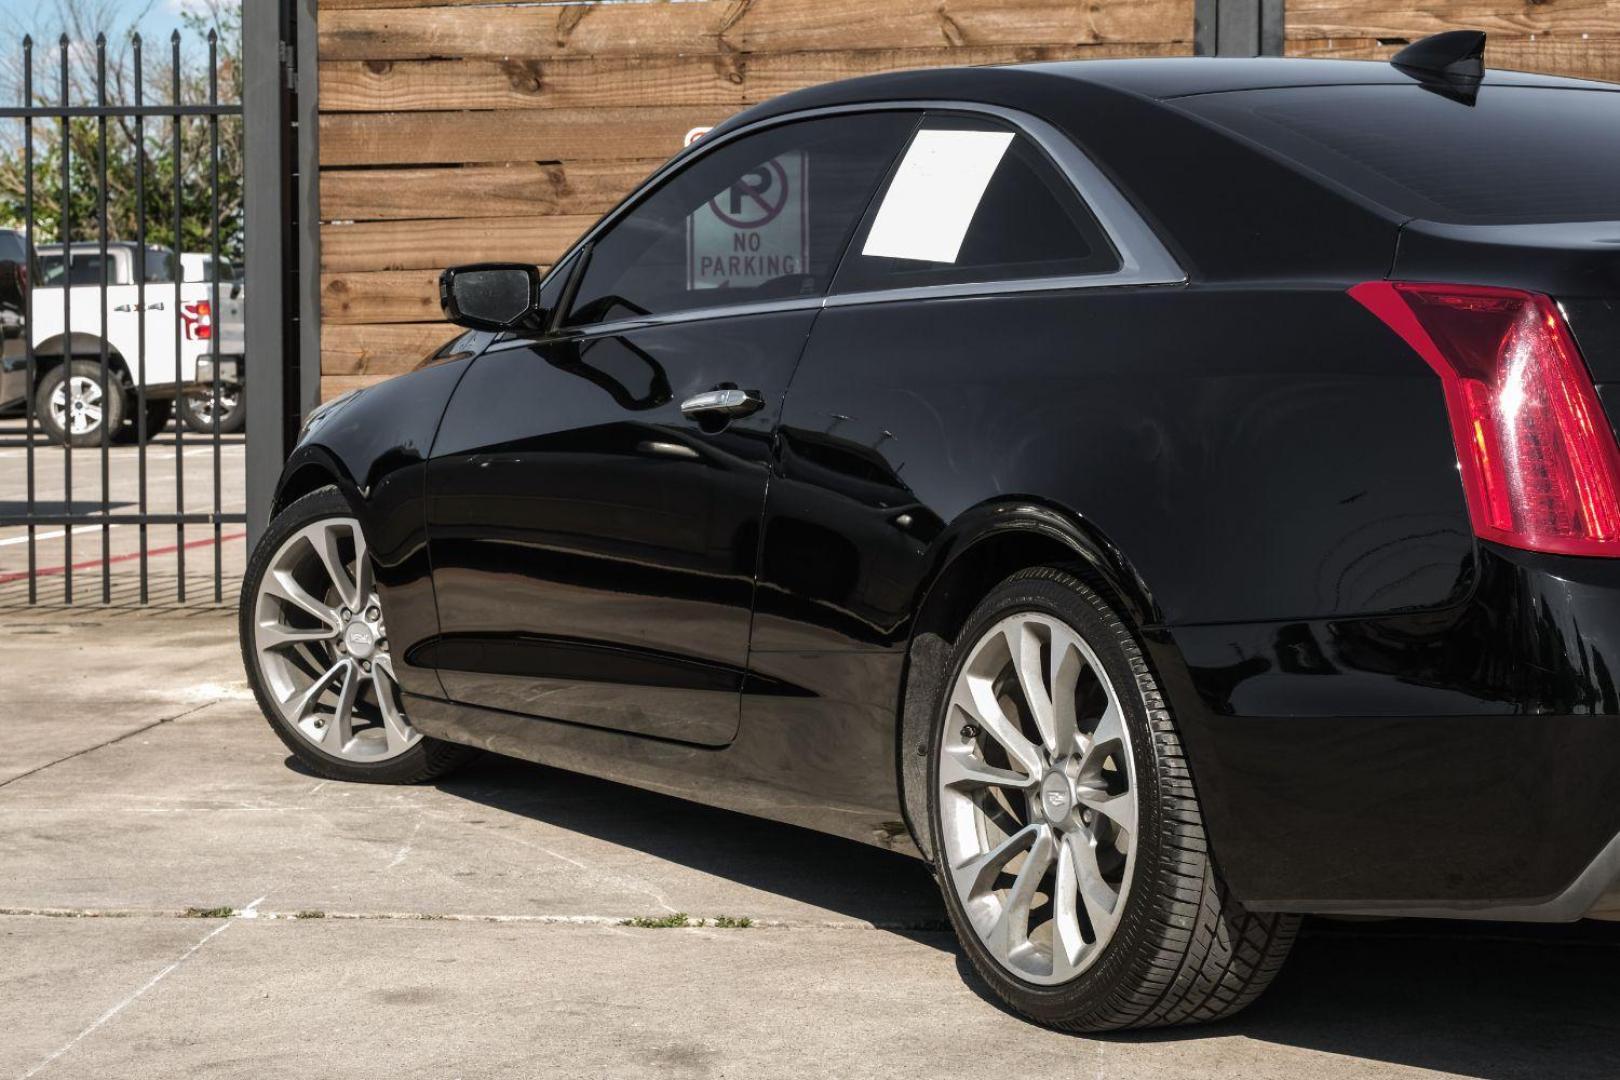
(152, 332)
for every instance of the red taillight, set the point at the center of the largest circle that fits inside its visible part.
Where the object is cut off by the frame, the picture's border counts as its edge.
(197, 320)
(1539, 462)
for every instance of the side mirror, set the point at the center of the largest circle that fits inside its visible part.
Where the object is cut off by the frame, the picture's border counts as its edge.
(492, 296)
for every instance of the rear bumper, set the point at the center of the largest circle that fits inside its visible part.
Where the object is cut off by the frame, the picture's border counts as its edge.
(1463, 763)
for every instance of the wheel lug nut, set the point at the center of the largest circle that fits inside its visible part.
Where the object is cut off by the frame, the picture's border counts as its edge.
(346, 614)
(365, 665)
(372, 614)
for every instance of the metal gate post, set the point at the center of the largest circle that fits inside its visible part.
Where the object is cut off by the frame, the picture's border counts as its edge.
(1238, 27)
(281, 200)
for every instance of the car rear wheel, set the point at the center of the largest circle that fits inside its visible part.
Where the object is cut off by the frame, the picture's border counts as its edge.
(1067, 834)
(315, 644)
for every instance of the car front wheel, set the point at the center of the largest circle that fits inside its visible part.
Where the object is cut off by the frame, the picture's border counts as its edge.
(315, 644)
(1067, 833)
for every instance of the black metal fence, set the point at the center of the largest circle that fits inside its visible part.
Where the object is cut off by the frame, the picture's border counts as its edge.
(152, 343)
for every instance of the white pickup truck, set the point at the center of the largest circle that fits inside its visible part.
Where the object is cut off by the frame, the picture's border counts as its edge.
(70, 402)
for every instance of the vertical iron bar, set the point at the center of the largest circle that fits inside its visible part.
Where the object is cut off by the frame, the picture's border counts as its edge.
(278, 136)
(66, 225)
(107, 388)
(213, 294)
(30, 264)
(141, 434)
(179, 429)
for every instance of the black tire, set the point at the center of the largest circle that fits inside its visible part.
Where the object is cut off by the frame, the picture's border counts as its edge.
(232, 418)
(112, 412)
(159, 411)
(1184, 951)
(428, 759)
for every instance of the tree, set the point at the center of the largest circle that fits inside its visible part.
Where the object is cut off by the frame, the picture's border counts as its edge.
(128, 145)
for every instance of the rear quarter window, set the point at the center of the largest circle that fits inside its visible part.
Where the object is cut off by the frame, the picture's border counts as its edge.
(972, 200)
(1515, 155)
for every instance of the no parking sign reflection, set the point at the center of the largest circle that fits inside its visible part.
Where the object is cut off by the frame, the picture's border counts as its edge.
(755, 230)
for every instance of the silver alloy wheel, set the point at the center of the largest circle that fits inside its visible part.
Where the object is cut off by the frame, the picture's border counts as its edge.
(322, 645)
(202, 405)
(76, 404)
(1037, 798)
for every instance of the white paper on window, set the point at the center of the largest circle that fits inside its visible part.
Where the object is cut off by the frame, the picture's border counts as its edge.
(934, 195)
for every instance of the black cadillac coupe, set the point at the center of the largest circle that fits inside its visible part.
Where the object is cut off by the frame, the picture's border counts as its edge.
(1169, 496)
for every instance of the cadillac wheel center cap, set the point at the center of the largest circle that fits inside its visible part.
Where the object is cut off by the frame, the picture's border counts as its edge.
(1057, 797)
(360, 640)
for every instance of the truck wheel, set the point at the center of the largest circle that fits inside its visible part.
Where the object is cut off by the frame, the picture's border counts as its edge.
(159, 412)
(72, 404)
(197, 410)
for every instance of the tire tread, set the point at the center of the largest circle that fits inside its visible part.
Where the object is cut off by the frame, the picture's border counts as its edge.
(1199, 956)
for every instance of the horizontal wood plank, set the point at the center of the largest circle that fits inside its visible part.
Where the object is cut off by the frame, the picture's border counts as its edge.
(508, 189)
(718, 26)
(527, 83)
(804, 25)
(381, 296)
(1315, 19)
(335, 385)
(1595, 58)
(421, 138)
(422, 245)
(373, 5)
(724, 83)
(351, 350)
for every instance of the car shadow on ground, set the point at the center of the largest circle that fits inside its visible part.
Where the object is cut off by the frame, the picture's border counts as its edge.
(849, 879)
(1495, 1001)
(1488, 1000)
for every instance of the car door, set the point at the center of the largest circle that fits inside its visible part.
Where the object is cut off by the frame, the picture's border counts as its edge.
(905, 411)
(595, 491)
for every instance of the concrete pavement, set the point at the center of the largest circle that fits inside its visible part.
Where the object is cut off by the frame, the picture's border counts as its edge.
(180, 900)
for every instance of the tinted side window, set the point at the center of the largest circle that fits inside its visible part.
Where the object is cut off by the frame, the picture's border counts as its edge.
(762, 218)
(973, 200)
(160, 265)
(551, 289)
(13, 270)
(86, 269)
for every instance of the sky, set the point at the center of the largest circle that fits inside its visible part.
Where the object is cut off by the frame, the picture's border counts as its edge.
(161, 17)
(155, 19)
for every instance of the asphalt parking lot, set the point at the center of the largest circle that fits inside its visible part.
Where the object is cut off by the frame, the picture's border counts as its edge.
(178, 899)
(179, 473)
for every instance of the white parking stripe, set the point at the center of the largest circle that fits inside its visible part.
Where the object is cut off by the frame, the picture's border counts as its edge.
(56, 535)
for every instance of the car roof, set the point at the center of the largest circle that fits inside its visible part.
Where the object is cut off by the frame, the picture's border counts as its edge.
(1172, 77)
(1159, 78)
(82, 246)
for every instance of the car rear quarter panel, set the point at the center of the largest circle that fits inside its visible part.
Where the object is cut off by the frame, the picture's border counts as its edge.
(1256, 453)
(1252, 455)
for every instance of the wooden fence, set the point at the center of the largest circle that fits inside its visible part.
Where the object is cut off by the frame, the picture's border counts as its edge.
(459, 130)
